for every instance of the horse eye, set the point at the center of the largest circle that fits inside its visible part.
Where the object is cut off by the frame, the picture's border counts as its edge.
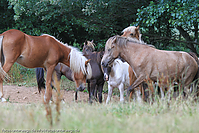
(131, 34)
(109, 49)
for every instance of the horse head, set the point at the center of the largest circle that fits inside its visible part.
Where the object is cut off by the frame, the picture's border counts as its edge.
(89, 46)
(80, 78)
(112, 51)
(132, 32)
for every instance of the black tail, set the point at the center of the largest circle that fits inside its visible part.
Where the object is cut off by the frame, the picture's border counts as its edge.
(40, 78)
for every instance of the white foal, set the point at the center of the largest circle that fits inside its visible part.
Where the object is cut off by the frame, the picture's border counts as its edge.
(117, 76)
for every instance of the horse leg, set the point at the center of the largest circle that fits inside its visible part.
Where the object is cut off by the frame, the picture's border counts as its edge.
(92, 90)
(162, 93)
(138, 92)
(6, 68)
(100, 88)
(137, 82)
(110, 91)
(121, 88)
(96, 90)
(48, 92)
(89, 91)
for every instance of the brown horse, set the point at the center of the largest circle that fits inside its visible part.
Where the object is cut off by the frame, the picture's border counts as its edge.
(96, 82)
(40, 51)
(133, 32)
(148, 62)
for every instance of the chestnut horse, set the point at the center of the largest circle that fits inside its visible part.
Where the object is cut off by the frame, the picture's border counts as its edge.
(62, 69)
(40, 51)
(148, 62)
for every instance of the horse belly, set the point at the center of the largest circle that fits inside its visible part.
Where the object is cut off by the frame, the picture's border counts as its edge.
(30, 62)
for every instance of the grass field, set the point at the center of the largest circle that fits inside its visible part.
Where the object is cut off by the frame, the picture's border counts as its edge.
(180, 116)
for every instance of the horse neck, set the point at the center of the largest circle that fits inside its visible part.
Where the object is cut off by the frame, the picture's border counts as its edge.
(129, 51)
(65, 51)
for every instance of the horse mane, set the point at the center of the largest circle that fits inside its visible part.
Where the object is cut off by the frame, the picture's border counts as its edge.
(129, 29)
(77, 63)
(77, 60)
(122, 41)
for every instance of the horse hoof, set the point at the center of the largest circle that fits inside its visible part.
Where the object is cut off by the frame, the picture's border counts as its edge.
(3, 100)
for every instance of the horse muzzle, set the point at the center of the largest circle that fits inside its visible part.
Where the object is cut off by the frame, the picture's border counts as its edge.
(106, 77)
(81, 88)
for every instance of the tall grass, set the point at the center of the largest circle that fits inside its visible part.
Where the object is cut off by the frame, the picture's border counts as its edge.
(22, 76)
(180, 116)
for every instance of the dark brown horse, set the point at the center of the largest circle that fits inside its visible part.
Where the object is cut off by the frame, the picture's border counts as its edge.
(40, 51)
(148, 62)
(96, 82)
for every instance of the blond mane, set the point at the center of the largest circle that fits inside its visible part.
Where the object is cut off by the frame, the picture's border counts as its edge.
(129, 29)
(122, 41)
(77, 60)
(77, 63)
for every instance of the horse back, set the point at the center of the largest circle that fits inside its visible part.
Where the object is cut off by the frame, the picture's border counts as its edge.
(31, 51)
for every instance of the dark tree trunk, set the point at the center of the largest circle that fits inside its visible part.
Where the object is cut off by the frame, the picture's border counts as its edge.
(187, 38)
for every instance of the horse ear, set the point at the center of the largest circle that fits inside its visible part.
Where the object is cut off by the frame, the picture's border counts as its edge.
(86, 63)
(138, 27)
(113, 42)
(85, 43)
(92, 41)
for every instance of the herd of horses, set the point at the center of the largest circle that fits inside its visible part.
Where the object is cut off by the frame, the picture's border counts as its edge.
(127, 62)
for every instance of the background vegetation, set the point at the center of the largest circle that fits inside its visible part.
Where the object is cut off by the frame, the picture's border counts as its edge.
(170, 25)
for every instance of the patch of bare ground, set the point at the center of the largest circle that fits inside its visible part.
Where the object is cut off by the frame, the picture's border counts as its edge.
(28, 95)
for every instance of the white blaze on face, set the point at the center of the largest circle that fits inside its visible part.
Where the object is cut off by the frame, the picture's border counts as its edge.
(106, 76)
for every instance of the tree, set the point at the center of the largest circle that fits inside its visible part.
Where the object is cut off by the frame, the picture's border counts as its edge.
(170, 24)
(6, 16)
(75, 20)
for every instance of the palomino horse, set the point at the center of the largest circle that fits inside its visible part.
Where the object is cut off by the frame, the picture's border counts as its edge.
(40, 51)
(148, 62)
(96, 82)
(118, 76)
(132, 32)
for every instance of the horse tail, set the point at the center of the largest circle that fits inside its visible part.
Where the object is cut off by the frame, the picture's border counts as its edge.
(197, 60)
(3, 74)
(40, 78)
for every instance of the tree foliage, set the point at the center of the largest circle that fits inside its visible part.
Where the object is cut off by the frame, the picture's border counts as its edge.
(171, 23)
(75, 20)
(166, 24)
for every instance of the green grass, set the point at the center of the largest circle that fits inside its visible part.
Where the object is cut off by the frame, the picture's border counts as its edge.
(179, 117)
